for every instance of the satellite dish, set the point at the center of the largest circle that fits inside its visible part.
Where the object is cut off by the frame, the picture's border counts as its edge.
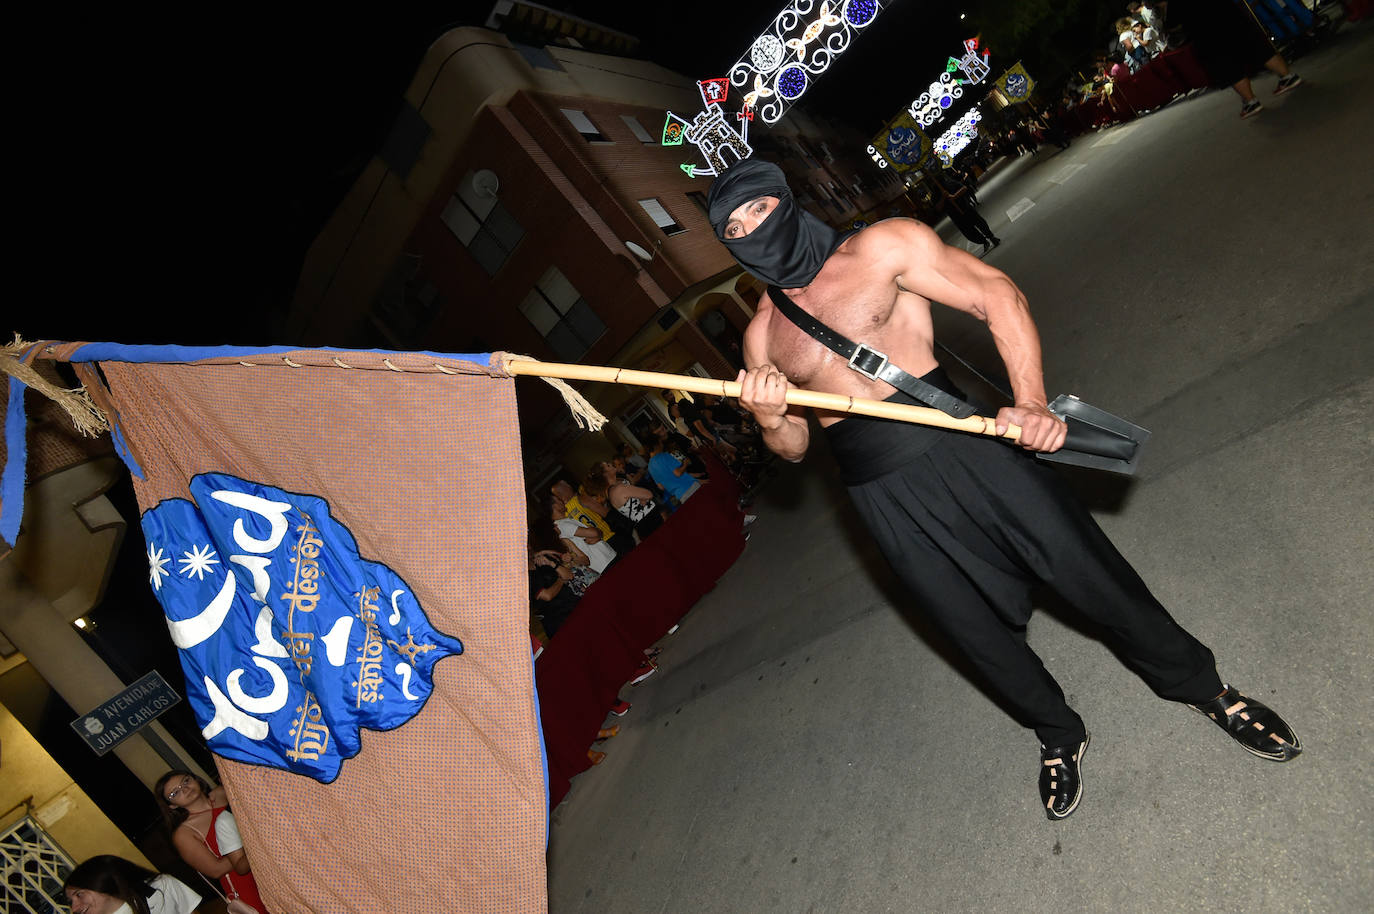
(639, 251)
(486, 183)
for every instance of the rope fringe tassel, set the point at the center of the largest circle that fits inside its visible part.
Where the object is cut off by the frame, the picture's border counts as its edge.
(76, 402)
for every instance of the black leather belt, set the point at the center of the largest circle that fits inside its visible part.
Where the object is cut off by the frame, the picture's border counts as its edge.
(868, 361)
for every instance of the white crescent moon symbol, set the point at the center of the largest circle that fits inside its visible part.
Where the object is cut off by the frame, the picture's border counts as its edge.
(395, 610)
(190, 632)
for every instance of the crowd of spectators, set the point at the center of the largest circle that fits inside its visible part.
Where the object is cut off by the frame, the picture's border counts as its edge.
(621, 501)
(1152, 57)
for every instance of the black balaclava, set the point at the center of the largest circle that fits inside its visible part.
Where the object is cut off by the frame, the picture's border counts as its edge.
(788, 248)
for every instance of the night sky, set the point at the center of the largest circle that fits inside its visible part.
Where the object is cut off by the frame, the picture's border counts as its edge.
(179, 168)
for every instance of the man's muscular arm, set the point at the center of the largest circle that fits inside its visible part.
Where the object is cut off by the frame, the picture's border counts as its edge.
(928, 267)
(763, 391)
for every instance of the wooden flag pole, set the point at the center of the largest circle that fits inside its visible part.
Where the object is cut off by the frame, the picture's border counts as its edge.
(840, 403)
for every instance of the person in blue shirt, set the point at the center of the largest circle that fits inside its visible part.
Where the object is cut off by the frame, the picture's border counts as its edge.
(670, 473)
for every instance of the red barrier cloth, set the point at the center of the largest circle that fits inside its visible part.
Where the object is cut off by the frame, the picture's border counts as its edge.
(596, 651)
(1356, 10)
(1184, 61)
(1145, 89)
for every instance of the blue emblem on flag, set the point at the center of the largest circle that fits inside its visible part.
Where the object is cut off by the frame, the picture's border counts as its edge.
(1016, 85)
(904, 146)
(291, 641)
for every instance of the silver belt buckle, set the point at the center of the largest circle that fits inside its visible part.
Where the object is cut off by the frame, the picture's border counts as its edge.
(860, 350)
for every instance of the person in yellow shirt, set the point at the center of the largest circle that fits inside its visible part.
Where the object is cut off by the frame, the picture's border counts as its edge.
(587, 514)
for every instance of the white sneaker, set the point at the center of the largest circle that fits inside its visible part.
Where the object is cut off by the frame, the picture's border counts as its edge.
(750, 518)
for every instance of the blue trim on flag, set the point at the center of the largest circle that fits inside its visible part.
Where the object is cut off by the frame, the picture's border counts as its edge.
(122, 449)
(12, 482)
(543, 753)
(125, 352)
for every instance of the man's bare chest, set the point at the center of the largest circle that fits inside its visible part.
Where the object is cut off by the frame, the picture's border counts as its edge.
(858, 315)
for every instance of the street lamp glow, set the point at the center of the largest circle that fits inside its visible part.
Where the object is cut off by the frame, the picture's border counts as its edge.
(961, 16)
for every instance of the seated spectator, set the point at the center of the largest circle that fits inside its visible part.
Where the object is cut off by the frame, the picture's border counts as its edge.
(1149, 39)
(1151, 13)
(699, 426)
(635, 503)
(671, 473)
(630, 464)
(680, 447)
(588, 514)
(1135, 54)
(622, 530)
(556, 584)
(112, 885)
(584, 543)
(736, 427)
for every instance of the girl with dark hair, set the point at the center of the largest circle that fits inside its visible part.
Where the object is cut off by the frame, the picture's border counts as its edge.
(112, 885)
(207, 837)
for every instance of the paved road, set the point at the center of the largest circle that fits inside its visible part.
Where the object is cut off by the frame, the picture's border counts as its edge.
(809, 746)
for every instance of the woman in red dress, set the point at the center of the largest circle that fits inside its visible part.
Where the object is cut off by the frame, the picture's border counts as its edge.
(206, 836)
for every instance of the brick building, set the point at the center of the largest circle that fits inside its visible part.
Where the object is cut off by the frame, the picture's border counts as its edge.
(524, 203)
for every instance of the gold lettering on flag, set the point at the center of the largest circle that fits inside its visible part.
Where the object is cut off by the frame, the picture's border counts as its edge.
(303, 595)
(369, 657)
(305, 588)
(312, 736)
(299, 643)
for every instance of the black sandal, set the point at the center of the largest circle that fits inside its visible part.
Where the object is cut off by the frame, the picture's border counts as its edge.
(1061, 781)
(1255, 726)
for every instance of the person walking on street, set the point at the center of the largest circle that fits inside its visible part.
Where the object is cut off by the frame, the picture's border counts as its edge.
(968, 523)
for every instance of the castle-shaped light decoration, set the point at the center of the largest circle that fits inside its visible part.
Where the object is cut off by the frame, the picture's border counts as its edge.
(782, 63)
(709, 131)
(932, 104)
(976, 69)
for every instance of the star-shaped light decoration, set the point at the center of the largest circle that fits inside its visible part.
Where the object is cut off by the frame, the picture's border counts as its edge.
(155, 570)
(198, 561)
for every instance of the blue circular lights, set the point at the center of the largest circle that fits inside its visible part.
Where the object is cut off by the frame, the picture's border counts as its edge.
(792, 83)
(860, 12)
(946, 101)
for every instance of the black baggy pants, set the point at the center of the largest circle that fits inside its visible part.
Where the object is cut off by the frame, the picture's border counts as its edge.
(970, 525)
(973, 226)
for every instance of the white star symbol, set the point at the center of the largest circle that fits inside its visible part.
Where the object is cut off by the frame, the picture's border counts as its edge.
(155, 570)
(198, 562)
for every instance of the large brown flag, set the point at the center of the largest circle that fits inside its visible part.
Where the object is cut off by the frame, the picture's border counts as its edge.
(338, 540)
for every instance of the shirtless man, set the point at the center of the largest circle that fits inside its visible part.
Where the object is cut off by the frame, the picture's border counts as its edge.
(968, 523)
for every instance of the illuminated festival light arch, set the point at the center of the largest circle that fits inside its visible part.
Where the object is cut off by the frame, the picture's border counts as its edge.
(778, 69)
(804, 39)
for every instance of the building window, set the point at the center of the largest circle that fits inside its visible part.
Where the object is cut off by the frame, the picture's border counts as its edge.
(584, 125)
(661, 217)
(408, 134)
(481, 223)
(538, 58)
(638, 130)
(699, 199)
(561, 316)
